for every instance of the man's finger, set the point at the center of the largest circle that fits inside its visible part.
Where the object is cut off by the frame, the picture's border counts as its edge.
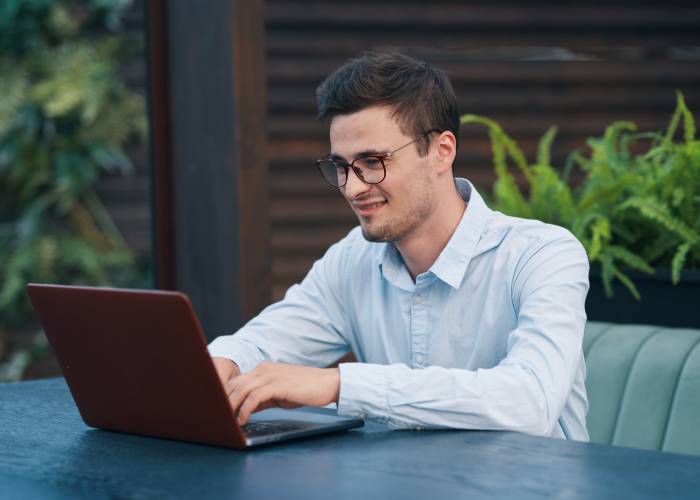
(252, 402)
(242, 388)
(231, 384)
(264, 405)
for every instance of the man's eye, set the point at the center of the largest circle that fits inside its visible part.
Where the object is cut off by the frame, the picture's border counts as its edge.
(370, 163)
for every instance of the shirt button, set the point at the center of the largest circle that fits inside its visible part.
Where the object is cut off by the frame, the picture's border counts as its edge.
(419, 359)
(417, 299)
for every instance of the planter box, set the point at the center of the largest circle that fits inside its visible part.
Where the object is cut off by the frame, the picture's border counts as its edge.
(662, 303)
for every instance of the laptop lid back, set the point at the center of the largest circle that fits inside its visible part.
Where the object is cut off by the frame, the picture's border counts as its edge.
(136, 361)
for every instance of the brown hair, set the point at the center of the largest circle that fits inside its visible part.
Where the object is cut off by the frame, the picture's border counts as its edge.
(421, 96)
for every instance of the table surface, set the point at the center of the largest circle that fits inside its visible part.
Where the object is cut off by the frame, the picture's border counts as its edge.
(46, 451)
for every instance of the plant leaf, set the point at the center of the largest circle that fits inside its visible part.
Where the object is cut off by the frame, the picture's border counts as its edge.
(631, 259)
(678, 261)
(544, 147)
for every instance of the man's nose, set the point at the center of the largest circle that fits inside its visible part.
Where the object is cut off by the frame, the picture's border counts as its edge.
(354, 185)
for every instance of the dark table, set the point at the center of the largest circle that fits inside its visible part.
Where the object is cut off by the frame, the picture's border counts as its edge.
(46, 451)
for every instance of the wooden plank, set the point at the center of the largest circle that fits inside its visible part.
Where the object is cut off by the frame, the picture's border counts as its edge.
(311, 212)
(468, 16)
(499, 72)
(251, 155)
(492, 44)
(305, 241)
(291, 100)
(290, 268)
(217, 167)
(160, 134)
(530, 124)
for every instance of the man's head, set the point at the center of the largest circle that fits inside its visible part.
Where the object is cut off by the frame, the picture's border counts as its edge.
(420, 96)
(402, 114)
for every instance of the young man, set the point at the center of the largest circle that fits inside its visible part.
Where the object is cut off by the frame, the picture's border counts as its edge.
(461, 317)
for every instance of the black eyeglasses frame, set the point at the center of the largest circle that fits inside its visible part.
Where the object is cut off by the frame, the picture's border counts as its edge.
(381, 157)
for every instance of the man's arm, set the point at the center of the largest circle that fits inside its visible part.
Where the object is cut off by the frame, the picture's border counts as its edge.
(526, 392)
(305, 329)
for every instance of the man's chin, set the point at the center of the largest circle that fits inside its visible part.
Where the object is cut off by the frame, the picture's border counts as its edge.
(374, 235)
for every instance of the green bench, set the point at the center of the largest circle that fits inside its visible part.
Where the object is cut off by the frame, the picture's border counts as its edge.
(643, 386)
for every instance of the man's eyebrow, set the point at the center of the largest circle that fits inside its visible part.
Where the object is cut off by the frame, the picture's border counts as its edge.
(367, 152)
(370, 152)
(333, 156)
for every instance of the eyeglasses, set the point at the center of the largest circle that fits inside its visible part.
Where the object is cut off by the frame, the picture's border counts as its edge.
(370, 169)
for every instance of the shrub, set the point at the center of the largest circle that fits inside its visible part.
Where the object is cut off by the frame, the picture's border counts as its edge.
(638, 206)
(65, 118)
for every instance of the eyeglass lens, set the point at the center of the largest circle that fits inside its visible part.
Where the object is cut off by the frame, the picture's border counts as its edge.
(369, 169)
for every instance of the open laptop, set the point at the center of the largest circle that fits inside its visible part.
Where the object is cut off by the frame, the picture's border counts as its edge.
(136, 361)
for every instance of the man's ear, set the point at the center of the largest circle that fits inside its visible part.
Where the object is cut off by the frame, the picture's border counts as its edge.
(445, 150)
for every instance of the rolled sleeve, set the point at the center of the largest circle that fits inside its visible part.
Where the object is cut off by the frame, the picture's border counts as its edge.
(363, 390)
(246, 357)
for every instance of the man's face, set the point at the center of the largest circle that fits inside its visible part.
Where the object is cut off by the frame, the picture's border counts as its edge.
(404, 200)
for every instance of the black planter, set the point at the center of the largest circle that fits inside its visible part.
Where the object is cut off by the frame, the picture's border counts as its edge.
(662, 303)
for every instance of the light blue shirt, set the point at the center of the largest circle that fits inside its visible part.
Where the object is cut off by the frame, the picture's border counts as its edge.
(488, 338)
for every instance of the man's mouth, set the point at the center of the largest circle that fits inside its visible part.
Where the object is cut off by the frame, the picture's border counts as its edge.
(365, 209)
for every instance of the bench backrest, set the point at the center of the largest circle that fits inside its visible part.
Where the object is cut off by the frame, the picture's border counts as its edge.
(643, 386)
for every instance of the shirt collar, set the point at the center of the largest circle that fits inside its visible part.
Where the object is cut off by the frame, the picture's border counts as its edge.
(451, 265)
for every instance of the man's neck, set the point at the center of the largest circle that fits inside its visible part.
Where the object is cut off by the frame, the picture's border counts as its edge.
(423, 246)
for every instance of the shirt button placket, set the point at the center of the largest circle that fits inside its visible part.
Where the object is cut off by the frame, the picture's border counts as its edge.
(419, 330)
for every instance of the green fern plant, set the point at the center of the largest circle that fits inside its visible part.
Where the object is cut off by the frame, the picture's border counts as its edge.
(65, 119)
(637, 207)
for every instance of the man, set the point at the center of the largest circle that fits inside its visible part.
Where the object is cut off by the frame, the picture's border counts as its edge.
(461, 317)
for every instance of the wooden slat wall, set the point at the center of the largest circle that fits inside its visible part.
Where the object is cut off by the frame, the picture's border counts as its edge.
(580, 65)
(527, 64)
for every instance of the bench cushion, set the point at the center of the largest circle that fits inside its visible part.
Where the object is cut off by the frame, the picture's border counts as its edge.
(643, 386)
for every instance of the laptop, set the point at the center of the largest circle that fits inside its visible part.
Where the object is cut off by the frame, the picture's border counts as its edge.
(136, 361)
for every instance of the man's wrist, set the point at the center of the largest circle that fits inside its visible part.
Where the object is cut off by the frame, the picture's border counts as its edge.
(335, 372)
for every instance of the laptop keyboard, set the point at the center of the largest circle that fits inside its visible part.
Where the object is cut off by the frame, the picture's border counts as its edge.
(252, 429)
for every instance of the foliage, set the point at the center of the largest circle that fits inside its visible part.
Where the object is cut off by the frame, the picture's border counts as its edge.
(637, 207)
(65, 118)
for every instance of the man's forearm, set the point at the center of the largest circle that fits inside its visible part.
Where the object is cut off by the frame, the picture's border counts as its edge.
(501, 398)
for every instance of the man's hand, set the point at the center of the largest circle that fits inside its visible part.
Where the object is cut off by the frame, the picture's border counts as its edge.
(281, 385)
(226, 369)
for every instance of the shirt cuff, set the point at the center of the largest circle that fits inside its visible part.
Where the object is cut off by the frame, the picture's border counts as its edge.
(227, 347)
(363, 391)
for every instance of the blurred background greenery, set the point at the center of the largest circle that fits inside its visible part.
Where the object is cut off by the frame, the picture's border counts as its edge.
(66, 119)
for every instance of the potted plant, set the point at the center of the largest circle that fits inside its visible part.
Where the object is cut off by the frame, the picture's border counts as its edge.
(636, 212)
(65, 118)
